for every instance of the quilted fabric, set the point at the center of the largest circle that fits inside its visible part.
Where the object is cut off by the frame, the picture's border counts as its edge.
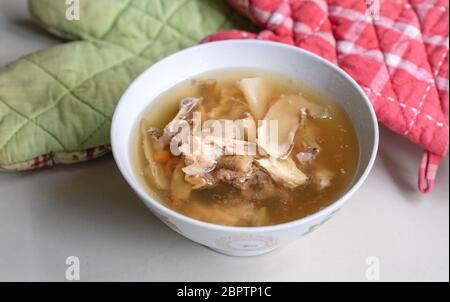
(396, 50)
(56, 105)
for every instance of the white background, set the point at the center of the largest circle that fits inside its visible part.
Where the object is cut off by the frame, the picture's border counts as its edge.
(87, 210)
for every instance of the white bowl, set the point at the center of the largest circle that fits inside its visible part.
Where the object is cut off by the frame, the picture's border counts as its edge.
(243, 54)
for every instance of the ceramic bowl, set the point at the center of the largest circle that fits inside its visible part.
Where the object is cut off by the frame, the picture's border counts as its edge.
(273, 57)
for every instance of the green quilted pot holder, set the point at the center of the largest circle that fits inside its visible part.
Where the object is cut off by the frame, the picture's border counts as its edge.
(56, 105)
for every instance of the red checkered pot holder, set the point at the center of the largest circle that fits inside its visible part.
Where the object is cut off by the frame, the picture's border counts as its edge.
(396, 50)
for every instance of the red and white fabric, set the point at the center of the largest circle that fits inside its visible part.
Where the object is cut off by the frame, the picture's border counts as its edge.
(397, 50)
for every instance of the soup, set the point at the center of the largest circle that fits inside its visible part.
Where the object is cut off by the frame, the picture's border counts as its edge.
(245, 148)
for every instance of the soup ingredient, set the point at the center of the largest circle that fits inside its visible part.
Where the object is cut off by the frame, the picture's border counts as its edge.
(202, 161)
(257, 95)
(231, 105)
(286, 111)
(219, 181)
(162, 156)
(203, 153)
(240, 163)
(230, 213)
(314, 110)
(248, 127)
(262, 187)
(200, 164)
(157, 141)
(176, 201)
(187, 108)
(234, 170)
(322, 178)
(170, 166)
(305, 157)
(178, 186)
(154, 171)
(200, 181)
(284, 171)
(241, 129)
(272, 101)
(307, 141)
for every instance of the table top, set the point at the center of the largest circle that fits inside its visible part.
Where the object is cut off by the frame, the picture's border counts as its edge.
(88, 211)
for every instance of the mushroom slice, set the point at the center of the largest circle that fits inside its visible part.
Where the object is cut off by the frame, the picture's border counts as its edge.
(284, 172)
(278, 142)
(257, 95)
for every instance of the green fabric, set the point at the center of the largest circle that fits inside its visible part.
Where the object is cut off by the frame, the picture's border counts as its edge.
(62, 99)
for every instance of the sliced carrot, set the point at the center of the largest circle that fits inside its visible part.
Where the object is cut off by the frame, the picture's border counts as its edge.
(176, 201)
(272, 100)
(162, 156)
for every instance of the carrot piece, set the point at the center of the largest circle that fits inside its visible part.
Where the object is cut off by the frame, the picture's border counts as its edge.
(162, 156)
(176, 201)
(272, 100)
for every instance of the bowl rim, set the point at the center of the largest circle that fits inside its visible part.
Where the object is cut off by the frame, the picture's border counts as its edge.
(330, 209)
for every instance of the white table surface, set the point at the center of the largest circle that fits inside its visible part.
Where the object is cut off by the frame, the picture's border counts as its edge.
(87, 210)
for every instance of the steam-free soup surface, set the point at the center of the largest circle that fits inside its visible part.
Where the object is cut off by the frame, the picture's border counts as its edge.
(314, 164)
